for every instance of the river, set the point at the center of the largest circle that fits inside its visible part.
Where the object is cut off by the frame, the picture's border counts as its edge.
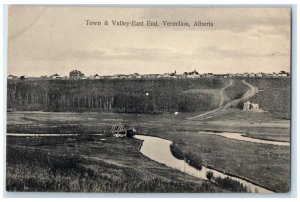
(39, 135)
(238, 136)
(158, 149)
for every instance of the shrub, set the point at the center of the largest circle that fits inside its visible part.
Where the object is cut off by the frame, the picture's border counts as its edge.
(177, 149)
(230, 184)
(209, 175)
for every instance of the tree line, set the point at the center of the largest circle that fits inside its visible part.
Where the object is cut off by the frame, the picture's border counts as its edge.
(130, 96)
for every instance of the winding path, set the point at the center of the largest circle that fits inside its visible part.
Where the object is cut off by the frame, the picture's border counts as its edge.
(250, 93)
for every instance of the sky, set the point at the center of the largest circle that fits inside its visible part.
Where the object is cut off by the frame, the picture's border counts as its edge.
(48, 40)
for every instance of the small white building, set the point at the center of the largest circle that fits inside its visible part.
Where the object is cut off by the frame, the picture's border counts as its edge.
(248, 106)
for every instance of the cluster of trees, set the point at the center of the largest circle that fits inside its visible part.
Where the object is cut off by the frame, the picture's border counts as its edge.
(227, 183)
(75, 74)
(178, 150)
(130, 96)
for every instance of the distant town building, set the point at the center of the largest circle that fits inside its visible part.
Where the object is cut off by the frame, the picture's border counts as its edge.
(248, 106)
(12, 77)
(208, 75)
(245, 74)
(283, 74)
(251, 75)
(150, 76)
(134, 76)
(259, 74)
(122, 76)
(193, 75)
(165, 75)
(96, 76)
(55, 77)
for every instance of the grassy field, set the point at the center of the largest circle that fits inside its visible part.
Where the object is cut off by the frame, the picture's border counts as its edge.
(274, 95)
(91, 164)
(237, 90)
(197, 99)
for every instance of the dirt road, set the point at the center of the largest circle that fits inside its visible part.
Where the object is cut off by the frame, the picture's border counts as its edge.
(250, 93)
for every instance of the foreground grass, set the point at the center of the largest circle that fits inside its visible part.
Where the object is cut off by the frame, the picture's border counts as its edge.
(88, 164)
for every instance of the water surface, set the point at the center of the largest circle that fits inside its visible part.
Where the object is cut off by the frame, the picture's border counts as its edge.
(158, 149)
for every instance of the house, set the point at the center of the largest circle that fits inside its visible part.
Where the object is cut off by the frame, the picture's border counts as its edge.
(283, 74)
(165, 75)
(173, 75)
(122, 76)
(115, 76)
(12, 77)
(150, 76)
(248, 106)
(208, 75)
(134, 76)
(137, 76)
(96, 76)
(260, 74)
(193, 75)
(245, 74)
(180, 76)
(131, 76)
(55, 77)
(122, 131)
(251, 75)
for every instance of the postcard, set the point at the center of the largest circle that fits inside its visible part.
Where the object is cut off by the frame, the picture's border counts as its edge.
(148, 99)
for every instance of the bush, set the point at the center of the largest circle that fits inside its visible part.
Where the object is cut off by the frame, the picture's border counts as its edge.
(230, 184)
(178, 151)
(209, 175)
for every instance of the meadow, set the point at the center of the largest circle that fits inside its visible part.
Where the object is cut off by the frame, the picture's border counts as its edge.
(91, 164)
(274, 95)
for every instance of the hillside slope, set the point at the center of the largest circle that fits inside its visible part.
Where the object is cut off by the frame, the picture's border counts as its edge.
(274, 95)
(129, 96)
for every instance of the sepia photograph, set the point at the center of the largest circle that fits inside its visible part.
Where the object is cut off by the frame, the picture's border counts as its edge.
(148, 99)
